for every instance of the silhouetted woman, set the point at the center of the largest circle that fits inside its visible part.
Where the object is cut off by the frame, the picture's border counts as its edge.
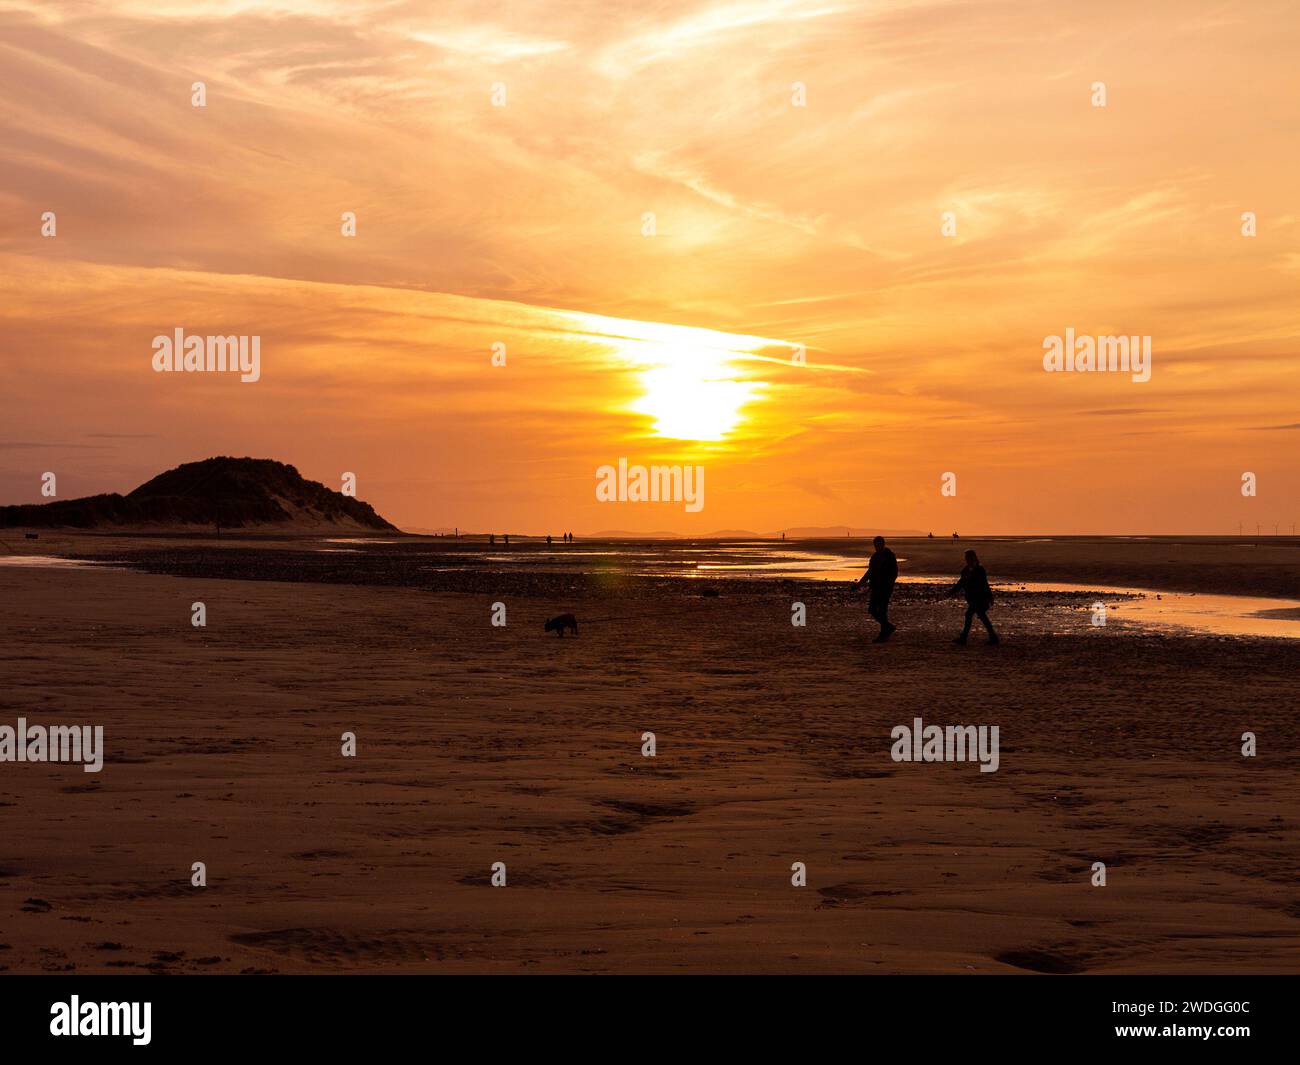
(974, 582)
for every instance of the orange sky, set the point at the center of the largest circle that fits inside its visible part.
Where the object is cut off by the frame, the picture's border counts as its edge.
(775, 226)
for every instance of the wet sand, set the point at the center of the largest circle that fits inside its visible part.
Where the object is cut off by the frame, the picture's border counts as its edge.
(1240, 565)
(480, 744)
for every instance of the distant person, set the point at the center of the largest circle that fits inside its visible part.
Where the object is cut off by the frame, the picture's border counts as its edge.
(548, 538)
(932, 536)
(882, 572)
(955, 536)
(974, 582)
(507, 538)
(492, 538)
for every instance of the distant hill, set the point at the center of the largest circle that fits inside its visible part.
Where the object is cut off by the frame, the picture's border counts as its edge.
(627, 534)
(829, 532)
(835, 532)
(227, 492)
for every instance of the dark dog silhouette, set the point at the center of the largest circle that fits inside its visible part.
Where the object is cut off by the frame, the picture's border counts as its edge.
(557, 625)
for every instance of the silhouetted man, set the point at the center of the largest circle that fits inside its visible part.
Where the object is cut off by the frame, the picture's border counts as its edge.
(974, 582)
(882, 572)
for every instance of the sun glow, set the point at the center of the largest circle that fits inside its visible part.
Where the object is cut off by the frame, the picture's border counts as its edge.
(691, 383)
(694, 399)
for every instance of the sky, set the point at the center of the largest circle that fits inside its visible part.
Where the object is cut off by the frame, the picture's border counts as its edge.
(814, 249)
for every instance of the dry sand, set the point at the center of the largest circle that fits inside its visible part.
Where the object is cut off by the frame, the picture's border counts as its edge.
(480, 744)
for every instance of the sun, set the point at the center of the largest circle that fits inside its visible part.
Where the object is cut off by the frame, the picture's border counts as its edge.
(692, 392)
(691, 384)
(691, 401)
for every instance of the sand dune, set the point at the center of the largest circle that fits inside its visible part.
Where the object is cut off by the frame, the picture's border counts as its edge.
(234, 493)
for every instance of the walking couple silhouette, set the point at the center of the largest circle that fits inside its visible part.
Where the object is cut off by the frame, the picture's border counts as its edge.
(882, 575)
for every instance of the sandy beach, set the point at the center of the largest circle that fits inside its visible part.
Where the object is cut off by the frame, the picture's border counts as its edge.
(480, 744)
